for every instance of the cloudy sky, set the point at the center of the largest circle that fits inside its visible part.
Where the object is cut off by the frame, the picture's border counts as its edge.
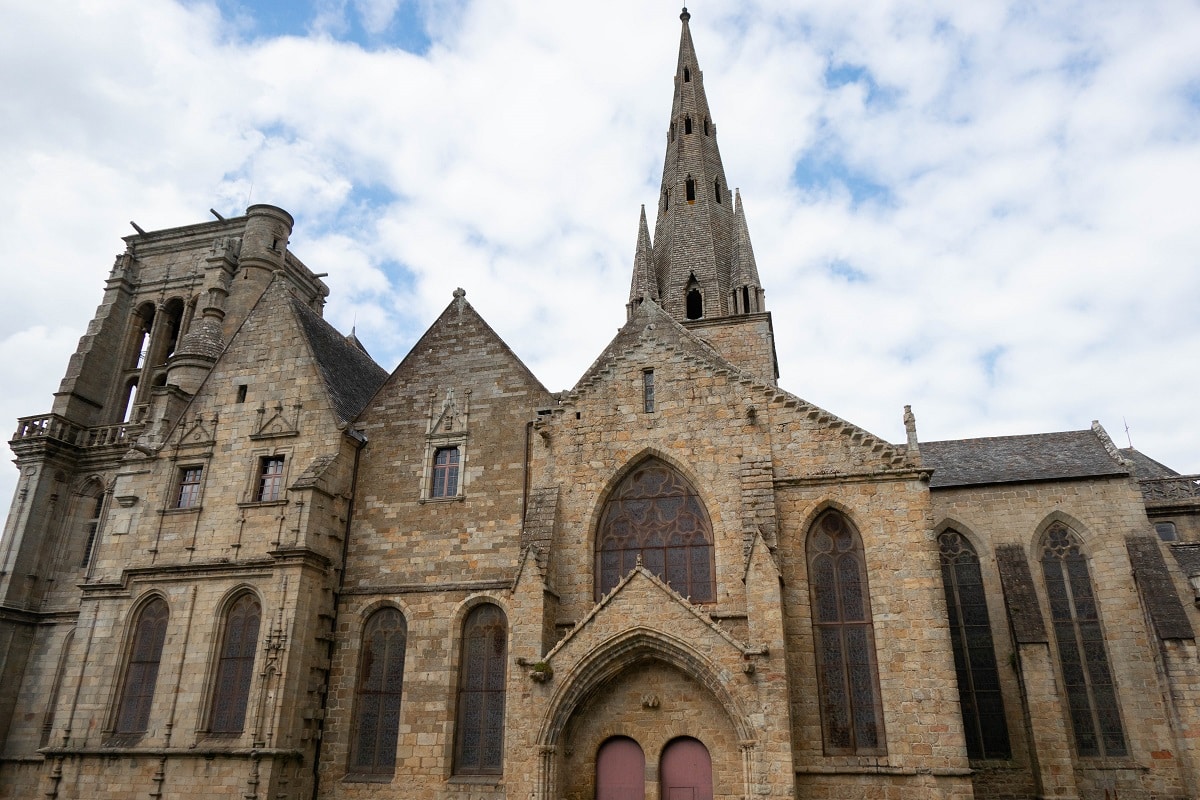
(987, 210)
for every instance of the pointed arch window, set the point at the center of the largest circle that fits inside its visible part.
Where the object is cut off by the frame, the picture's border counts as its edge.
(687, 75)
(1082, 656)
(974, 653)
(91, 508)
(380, 686)
(716, 188)
(687, 125)
(655, 513)
(689, 187)
(479, 734)
(843, 632)
(141, 670)
(693, 299)
(706, 127)
(235, 666)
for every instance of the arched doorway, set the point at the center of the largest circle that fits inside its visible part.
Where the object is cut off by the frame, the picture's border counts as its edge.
(686, 771)
(620, 770)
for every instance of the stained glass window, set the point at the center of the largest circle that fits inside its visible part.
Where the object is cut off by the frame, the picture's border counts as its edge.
(380, 686)
(479, 734)
(974, 653)
(656, 514)
(1091, 695)
(235, 667)
(445, 472)
(847, 677)
(141, 671)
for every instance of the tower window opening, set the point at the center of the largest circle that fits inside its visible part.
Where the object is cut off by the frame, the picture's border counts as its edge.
(687, 75)
(695, 300)
(717, 190)
(745, 299)
(687, 125)
(241, 393)
(666, 199)
(690, 186)
(671, 134)
(706, 127)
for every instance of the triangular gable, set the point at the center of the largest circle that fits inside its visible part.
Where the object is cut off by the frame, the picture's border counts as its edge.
(650, 326)
(459, 312)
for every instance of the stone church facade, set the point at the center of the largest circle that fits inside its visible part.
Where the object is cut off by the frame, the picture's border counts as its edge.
(245, 561)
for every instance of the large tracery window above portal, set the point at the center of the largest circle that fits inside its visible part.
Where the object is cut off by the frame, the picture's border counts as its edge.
(655, 513)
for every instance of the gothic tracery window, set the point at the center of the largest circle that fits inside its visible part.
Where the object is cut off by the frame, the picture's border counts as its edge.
(656, 514)
(847, 675)
(1082, 656)
(974, 652)
(479, 733)
(235, 666)
(380, 686)
(141, 670)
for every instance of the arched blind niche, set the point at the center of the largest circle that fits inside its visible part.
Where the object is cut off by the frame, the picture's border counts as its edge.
(843, 632)
(656, 513)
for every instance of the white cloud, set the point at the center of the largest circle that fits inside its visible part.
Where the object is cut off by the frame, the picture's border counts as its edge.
(1035, 168)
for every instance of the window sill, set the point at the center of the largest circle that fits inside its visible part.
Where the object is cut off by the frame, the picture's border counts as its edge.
(361, 777)
(457, 498)
(167, 512)
(262, 503)
(477, 780)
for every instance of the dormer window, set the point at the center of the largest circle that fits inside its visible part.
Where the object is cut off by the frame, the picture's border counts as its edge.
(687, 125)
(687, 75)
(690, 187)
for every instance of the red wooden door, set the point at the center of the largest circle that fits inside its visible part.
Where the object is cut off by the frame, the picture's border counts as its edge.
(686, 771)
(620, 770)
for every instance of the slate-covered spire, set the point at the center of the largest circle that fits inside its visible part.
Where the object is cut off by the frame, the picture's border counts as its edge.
(748, 294)
(643, 286)
(696, 229)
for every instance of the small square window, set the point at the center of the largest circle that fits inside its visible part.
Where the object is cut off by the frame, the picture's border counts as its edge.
(189, 487)
(1166, 531)
(270, 479)
(445, 472)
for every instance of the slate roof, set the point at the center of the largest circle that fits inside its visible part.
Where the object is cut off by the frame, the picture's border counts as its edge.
(351, 376)
(1017, 459)
(1146, 467)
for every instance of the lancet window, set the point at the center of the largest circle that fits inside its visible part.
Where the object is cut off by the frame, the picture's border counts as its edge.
(479, 733)
(656, 515)
(141, 670)
(235, 666)
(1083, 658)
(847, 673)
(380, 686)
(974, 653)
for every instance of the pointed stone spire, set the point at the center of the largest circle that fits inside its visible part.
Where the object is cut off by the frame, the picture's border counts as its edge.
(695, 229)
(748, 294)
(644, 286)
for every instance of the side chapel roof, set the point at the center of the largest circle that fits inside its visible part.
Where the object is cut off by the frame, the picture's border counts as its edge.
(1017, 459)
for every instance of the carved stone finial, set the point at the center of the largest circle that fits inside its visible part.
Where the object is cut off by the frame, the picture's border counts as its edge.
(910, 427)
(685, 16)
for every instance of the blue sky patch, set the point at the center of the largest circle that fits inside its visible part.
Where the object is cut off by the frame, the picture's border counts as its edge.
(848, 272)
(259, 19)
(827, 174)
